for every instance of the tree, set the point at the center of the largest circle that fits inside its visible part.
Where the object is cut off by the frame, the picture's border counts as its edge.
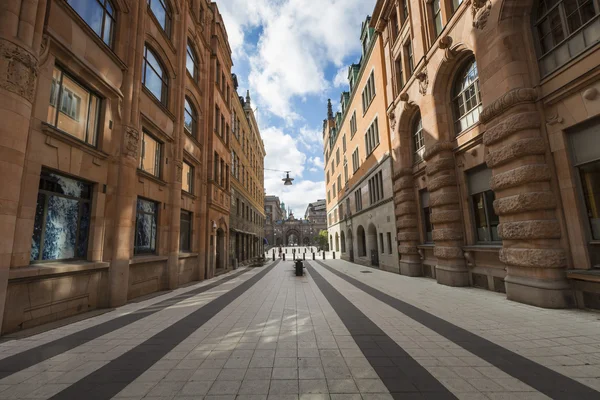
(321, 239)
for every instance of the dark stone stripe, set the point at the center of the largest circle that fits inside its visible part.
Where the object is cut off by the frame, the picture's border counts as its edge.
(539, 377)
(113, 377)
(36, 355)
(402, 375)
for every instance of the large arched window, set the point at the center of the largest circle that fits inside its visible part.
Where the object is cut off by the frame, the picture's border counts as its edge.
(162, 13)
(191, 62)
(466, 97)
(154, 76)
(99, 15)
(418, 142)
(190, 118)
(564, 29)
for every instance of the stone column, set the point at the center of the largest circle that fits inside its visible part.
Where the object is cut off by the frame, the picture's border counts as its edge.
(531, 229)
(446, 218)
(407, 223)
(126, 163)
(21, 26)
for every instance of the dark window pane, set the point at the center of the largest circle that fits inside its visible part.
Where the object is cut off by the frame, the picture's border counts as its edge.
(480, 220)
(84, 228)
(590, 182)
(494, 220)
(61, 228)
(38, 227)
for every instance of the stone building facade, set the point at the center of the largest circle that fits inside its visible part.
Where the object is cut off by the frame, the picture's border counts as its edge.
(317, 212)
(358, 164)
(494, 110)
(273, 213)
(115, 113)
(247, 189)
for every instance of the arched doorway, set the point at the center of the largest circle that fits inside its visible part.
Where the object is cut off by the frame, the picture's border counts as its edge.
(361, 241)
(373, 252)
(278, 242)
(307, 241)
(343, 241)
(220, 256)
(337, 242)
(350, 242)
(292, 238)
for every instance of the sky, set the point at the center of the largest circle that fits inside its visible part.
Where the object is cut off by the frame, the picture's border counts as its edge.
(293, 55)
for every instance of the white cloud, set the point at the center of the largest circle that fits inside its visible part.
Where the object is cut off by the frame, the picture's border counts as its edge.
(341, 78)
(311, 139)
(298, 41)
(317, 162)
(313, 169)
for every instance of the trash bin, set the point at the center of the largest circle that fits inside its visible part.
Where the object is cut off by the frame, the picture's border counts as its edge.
(299, 268)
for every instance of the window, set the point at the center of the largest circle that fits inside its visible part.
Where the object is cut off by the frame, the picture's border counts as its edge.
(337, 157)
(217, 120)
(73, 109)
(353, 127)
(339, 182)
(418, 140)
(344, 143)
(218, 73)
(395, 27)
(345, 172)
(358, 199)
(399, 74)
(564, 29)
(590, 183)
(381, 244)
(438, 25)
(467, 99)
(456, 4)
(99, 15)
(327, 177)
(151, 155)
(216, 167)
(154, 77)
(389, 240)
(409, 57)
(334, 191)
(404, 10)
(355, 161)
(376, 188)
(328, 196)
(145, 227)
(190, 120)
(332, 167)
(427, 226)
(187, 178)
(368, 93)
(185, 232)
(221, 175)
(161, 11)
(372, 137)
(62, 218)
(482, 203)
(191, 62)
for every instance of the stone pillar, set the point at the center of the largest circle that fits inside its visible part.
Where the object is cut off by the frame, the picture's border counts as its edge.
(407, 223)
(532, 231)
(21, 24)
(446, 218)
(126, 163)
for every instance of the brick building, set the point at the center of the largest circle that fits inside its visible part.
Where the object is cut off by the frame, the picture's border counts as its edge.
(115, 152)
(494, 110)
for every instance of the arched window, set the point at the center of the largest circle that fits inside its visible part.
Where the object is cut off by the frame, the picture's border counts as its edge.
(418, 141)
(154, 76)
(191, 62)
(190, 118)
(564, 29)
(99, 15)
(162, 13)
(466, 97)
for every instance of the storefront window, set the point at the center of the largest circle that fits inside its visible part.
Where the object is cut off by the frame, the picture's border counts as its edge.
(185, 232)
(482, 203)
(145, 227)
(590, 182)
(426, 209)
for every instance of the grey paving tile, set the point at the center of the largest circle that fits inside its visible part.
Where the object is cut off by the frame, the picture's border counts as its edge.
(195, 388)
(255, 387)
(280, 387)
(285, 373)
(225, 387)
(313, 386)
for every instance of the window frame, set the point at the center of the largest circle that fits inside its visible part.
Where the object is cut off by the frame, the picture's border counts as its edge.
(168, 15)
(461, 77)
(191, 53)
(159, 150)
(435, 16)
(193, 114)
(189, 178)
(417, 138)
(105, 14)
(188, 248)
(136, 251)
(164, 77)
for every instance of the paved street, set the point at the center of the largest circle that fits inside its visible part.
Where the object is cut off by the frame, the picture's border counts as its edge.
(341, 332)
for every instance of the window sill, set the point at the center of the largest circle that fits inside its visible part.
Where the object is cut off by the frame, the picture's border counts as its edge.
(144, 259)
(144, 174)
(193, 140)
(426, 246)
(189, 195)
(194, 82)
(183, 255)
(484, 248)
(55, 268)
(156, 101)
(57, 134)
(469, 129)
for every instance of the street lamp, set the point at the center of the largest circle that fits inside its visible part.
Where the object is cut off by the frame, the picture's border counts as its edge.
(287, 181)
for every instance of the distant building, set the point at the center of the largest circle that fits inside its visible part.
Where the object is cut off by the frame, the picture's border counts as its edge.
(283, 229)
(317, 212)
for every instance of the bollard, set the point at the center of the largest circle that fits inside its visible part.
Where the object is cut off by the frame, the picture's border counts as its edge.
(294, 256)
(334, 255)
(304, 257)
(273, 255)
(283, 256)
(313, 255)
(285, 251)
(323, 255)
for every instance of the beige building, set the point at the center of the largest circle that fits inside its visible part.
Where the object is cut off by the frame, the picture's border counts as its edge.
(358, 164)
(494, 108)
(115, 152)
(247, 190)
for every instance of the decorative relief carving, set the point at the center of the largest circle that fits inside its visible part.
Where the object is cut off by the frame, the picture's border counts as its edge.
(423, 81)
(437, 148)
(132, 139)
(554, 118)
(392, 117)
(511, 125)
(179, 172)
(18, 70)
(481, 13)
(508, 100)
(590, 94)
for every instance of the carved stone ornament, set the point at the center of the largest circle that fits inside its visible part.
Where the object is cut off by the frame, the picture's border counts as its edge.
(553, 118)
(445, 42)
(423, 81)
(179, 173)
(508, 100)
(132, 139)
(481, 13)
(18, 70)
(392, 117)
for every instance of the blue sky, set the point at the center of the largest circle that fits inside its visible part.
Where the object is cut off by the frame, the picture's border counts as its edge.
(293, 55)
